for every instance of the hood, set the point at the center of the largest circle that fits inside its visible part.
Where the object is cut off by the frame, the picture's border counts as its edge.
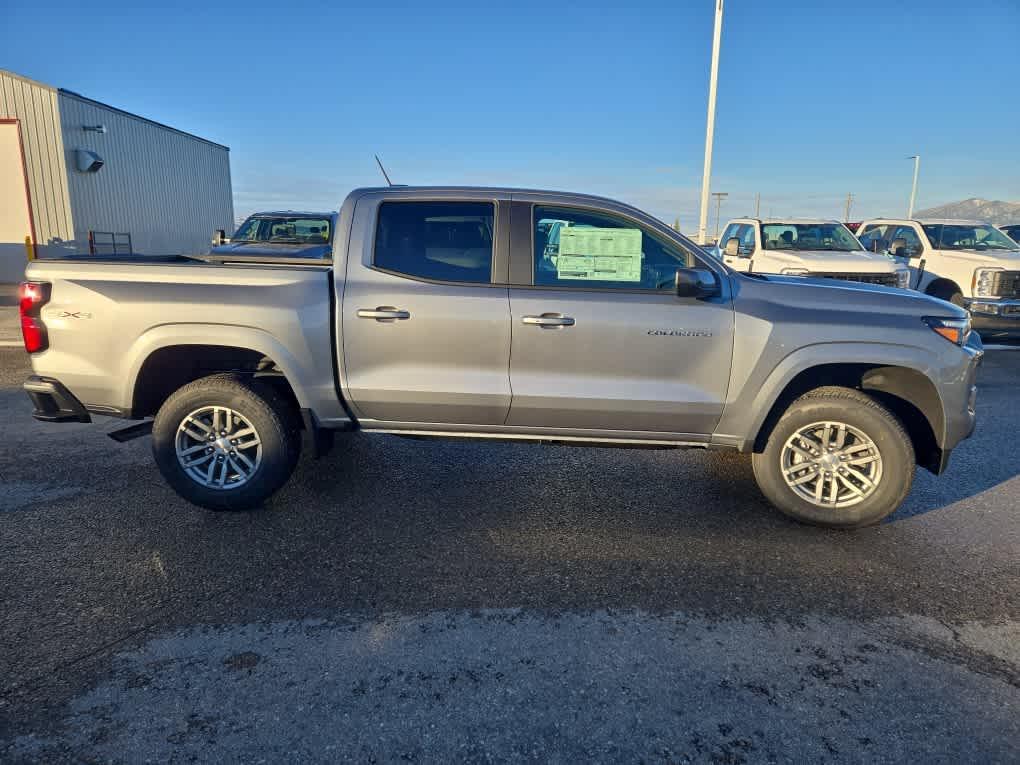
(858, 261)
(1009, 259)
(824, 294)
(279, 249)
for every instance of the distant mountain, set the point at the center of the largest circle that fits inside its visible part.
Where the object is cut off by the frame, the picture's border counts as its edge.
(975, 209)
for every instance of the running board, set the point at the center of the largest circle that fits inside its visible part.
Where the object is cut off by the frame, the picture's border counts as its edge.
(131, 432)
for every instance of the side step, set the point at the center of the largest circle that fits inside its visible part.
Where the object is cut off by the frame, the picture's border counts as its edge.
(131, 432)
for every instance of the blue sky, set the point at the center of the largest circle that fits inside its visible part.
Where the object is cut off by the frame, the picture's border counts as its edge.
(816, 99)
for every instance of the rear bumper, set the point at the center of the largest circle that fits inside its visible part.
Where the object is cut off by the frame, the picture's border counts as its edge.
(53, 402)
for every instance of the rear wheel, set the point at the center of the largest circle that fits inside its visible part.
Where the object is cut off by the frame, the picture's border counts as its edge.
(838, 458)
(226, 443)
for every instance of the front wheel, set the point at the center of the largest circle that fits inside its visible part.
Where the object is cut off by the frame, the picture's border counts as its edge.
(226, 443)
(837, 458)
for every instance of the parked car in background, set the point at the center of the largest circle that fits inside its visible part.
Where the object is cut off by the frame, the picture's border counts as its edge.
(1012, 230)
(281, 235)
(970, 263)
(818, 248)
(445, 313)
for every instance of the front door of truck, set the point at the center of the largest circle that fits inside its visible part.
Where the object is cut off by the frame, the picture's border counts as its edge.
(600, 339)
(425, 311)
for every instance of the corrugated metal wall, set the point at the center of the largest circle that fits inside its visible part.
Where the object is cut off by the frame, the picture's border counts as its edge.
(35, 106)
(168, 189)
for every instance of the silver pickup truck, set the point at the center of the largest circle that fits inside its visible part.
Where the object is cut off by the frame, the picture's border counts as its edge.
(504, 314)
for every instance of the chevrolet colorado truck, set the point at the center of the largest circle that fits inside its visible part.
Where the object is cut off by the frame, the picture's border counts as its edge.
(969, 263)
(816, 248)
(504, 314)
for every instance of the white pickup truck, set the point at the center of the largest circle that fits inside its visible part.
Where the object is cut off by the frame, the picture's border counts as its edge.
(969, 263)
(817, 248)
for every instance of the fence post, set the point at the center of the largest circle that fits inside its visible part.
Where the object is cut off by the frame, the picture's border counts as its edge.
(29, 249)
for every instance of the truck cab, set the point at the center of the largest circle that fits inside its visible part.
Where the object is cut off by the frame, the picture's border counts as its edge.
(970, 263)
(817, 248)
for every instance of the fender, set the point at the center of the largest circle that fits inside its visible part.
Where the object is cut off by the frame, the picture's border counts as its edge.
(314, 391)
(763, 388)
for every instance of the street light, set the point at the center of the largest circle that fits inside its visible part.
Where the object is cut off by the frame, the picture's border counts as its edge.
(706, 178)
(913, 189)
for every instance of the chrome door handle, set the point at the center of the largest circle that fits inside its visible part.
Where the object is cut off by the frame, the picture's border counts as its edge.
(549, 320)
(383, 313)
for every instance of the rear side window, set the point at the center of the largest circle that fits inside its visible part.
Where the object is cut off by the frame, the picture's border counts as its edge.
(445, 241)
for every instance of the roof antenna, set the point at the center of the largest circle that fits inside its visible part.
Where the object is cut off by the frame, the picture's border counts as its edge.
(383, 170)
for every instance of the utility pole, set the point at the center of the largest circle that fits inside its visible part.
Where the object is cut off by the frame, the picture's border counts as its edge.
(913, 189)
(757, 205)
(719, 197)
(706, 178)
(849, 204)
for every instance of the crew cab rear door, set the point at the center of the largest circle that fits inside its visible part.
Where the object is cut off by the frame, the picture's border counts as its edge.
(425, 310)
(601, 342)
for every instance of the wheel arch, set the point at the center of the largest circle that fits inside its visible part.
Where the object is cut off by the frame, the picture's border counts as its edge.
(165, 359)
(907, 392)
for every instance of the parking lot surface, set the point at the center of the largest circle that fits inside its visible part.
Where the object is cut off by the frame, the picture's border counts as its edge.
(401, 600)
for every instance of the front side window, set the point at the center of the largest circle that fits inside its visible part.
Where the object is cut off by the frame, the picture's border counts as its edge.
(809, 236)
(906, 237)
(445, 241)
(284, 229)
(578, 248)
(968, 236)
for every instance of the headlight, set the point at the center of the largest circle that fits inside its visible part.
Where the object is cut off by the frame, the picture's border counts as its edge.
(984, 279)
(903, 278)
(954, 330)
(794, 271)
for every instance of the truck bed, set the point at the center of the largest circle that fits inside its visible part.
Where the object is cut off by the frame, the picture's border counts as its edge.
(114, 320)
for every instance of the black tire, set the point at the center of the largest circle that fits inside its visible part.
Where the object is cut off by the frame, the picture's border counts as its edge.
(859, 411)
(273, 418)
(949, 292)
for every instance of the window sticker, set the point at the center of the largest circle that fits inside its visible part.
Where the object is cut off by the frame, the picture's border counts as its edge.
(599, 254)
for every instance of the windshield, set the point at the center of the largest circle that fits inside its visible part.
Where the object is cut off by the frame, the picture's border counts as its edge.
(284, 229)
(809, 236)
(968, 236)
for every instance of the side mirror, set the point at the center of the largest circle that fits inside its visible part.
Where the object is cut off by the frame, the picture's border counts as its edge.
(898, 248)
(732, 248)
(696, 283)
(219, 237)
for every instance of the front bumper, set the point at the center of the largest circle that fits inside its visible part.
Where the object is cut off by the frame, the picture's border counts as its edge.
(53, 402)
(959, 399)
(995, 319)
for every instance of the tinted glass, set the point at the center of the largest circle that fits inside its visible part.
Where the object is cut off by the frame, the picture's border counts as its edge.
(446, 241)
(577, 248)
(1013, 232)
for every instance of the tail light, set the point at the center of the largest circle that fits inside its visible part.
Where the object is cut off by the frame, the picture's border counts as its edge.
(32, 296)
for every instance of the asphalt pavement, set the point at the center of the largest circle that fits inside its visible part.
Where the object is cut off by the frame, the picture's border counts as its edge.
(432, 602)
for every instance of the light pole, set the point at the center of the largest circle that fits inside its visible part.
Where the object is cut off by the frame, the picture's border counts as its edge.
(913, 189)
(719, 197)
(706, 178)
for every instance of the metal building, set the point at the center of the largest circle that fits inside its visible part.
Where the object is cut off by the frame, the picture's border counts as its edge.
(78, 176)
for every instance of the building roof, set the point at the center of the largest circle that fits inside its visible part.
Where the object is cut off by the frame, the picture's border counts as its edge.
(100, 104)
